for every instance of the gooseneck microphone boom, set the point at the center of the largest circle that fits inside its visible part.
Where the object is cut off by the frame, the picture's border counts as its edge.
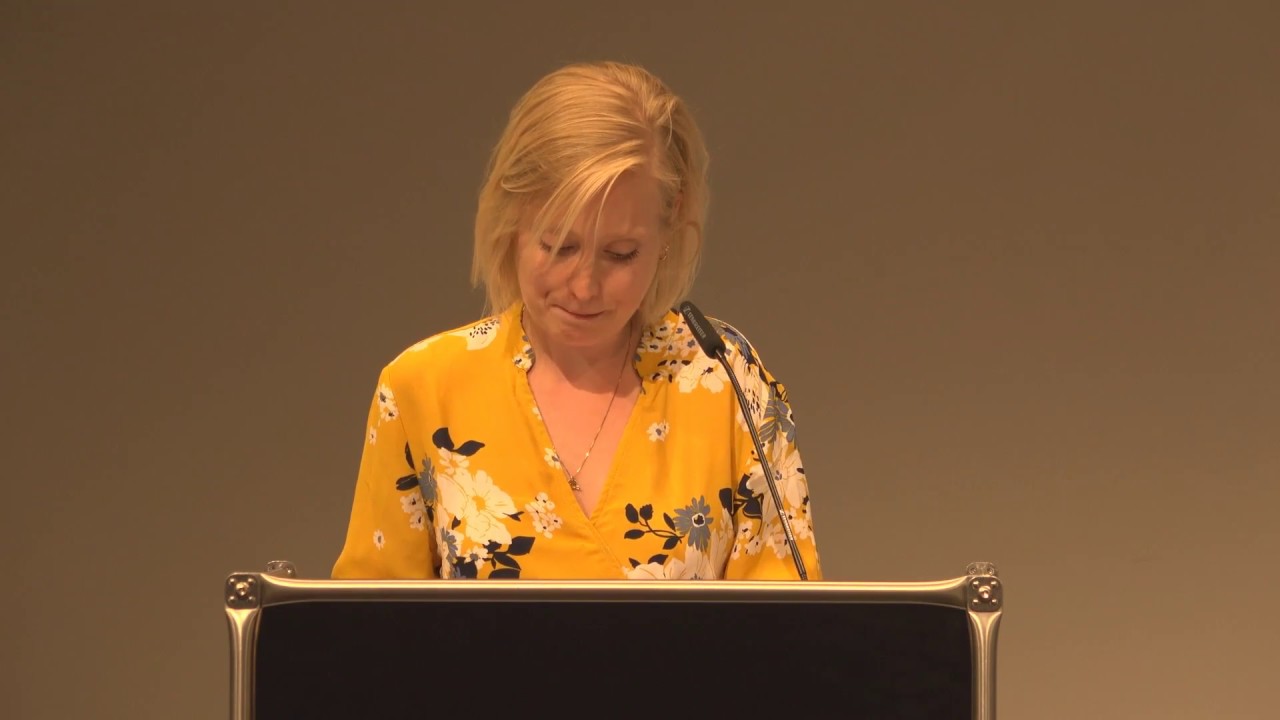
(713, 345)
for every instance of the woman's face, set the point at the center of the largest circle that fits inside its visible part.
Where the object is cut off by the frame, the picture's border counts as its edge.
(586, 294)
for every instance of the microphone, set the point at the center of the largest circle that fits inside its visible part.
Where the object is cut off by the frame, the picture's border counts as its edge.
(713, 345)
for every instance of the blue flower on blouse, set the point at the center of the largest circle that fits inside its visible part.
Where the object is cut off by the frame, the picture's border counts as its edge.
(450, 543)
(427, 482)
(692, 522)
(735, 338)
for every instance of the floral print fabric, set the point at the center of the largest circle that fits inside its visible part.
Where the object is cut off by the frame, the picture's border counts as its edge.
(457, 477)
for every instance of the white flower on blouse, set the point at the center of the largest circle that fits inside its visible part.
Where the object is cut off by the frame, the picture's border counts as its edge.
(483, 509)
(412, 502)
(788, 472)
(478, 336)
(413, 505)
(658, 431)
(452, 489)
(752, 392)
(378, 539)
(702, 372)
(451, 463)
(552, 459)
(544, 520)
(481, 334)
(776, 539)
(547, 524)
(671, 570)
(800, 525)
(722, 538)
(542, 502)
(673, 340)
(373, 436)
(418, 521)
(386, 404)
(657, 340)
(745, 531)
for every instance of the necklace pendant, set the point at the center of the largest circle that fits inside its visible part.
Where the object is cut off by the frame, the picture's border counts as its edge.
(574, 485)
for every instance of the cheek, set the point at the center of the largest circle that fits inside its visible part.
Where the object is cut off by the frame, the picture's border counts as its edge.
(531, 272)
(544, 277)
(634, 281)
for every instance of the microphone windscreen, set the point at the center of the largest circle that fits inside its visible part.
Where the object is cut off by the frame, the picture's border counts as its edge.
(710, 341)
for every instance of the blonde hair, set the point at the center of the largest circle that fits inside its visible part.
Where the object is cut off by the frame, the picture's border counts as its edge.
(567, 140)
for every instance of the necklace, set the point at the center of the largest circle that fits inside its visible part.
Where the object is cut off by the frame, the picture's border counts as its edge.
(572, 477)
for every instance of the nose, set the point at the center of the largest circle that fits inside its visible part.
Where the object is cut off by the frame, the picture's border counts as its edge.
(584, 279)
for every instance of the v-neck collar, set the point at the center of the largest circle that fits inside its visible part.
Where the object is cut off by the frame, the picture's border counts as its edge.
(652, 359)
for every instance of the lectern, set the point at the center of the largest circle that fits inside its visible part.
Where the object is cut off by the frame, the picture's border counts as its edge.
(612, 649)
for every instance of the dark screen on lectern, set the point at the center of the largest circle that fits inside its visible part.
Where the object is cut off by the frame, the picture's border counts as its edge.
(640, 659)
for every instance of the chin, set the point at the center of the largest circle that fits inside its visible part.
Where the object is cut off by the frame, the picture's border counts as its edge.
(571, 333)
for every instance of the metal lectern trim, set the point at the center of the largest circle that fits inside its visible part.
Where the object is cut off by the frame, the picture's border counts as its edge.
(979, 593)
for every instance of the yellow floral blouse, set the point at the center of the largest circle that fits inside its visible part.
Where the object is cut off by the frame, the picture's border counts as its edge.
(458, 478)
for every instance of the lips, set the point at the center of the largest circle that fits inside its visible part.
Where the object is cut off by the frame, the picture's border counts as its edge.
(580, 315)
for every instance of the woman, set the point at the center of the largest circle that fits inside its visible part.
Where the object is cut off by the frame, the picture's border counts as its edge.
(580, 432)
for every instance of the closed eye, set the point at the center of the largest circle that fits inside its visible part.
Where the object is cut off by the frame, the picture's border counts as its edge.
(624, 257)
(565, 250)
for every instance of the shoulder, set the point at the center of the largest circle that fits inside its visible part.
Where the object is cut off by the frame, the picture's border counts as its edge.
(672, 330)
(733, 337)
(669, 346)
(461, 346)
(741, 351)
(745, 358)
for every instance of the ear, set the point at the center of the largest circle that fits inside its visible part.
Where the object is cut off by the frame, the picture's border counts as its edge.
(677, 203)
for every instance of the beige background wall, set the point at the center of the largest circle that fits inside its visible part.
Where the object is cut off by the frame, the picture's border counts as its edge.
(1018, 268)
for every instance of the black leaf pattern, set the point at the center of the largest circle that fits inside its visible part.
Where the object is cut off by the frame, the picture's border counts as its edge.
(442, 440)
(520, 545)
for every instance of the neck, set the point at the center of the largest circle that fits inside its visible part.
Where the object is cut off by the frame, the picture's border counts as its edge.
(592, 368)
